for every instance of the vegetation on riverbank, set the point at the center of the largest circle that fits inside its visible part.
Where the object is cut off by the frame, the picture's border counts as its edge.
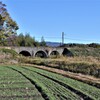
(88, 64)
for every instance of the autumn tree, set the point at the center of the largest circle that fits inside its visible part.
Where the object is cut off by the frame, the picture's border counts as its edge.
(3, 13)
(8, 27)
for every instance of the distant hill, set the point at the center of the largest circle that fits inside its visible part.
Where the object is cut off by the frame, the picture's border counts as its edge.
(57, 44)
(53, 44)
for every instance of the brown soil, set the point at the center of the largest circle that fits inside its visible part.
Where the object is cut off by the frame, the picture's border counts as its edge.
(77, 76)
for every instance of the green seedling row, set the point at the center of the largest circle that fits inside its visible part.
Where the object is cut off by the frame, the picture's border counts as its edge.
(90, 91)
(42, 82)
(13, 88)
(18, 85)
(19, 92)
(54, 90)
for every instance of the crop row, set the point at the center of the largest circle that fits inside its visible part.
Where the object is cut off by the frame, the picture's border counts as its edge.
(14, 86)
(53, 90)
(51, 86)
(86, 89)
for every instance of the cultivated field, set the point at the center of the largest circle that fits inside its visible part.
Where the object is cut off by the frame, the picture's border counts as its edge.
(30, 83)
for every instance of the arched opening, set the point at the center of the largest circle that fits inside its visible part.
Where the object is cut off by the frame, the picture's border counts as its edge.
(41, 54)
(25, 53)
(54, 53)
(66, 52)
(46, 51)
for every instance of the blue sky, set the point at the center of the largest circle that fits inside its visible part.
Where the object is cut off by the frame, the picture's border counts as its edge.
(78, 19)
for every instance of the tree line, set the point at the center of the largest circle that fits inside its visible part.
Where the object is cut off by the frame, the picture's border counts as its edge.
(94, 45)
(23, 40)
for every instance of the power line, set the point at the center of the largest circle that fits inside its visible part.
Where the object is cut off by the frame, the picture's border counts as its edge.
(68, 38)
(79, 39)
(49, 37)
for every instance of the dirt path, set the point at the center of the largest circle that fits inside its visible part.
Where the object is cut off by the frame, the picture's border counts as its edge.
(84, 78)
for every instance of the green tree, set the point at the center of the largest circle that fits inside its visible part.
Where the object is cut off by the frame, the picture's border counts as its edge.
(29, 41)
(20, 40)
(42, 43)
(36, 44)
(25, 40)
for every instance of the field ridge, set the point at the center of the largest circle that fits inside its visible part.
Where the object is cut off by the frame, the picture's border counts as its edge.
(78, 76)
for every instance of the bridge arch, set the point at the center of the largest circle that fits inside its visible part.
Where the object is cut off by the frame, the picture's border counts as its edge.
(41, 54)
(25, 53)
(66, 52)
(54, 52)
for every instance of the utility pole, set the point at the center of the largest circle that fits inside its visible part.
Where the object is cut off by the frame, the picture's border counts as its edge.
(62, 38)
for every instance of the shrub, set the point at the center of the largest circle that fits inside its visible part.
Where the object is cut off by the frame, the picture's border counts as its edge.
(8, 51)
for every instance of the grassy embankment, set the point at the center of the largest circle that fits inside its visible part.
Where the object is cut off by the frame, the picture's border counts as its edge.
(8, 56)
(85, 60)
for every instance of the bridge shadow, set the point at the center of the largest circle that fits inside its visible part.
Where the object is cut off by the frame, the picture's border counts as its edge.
(66, 52)
(41, 54)
(56, 53)
(25, 53)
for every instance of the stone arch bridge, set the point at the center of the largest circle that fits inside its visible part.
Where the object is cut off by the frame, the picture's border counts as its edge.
(42, 51)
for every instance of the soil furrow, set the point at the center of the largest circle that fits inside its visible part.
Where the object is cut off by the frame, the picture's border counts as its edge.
(85, 97)
(82, 78)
